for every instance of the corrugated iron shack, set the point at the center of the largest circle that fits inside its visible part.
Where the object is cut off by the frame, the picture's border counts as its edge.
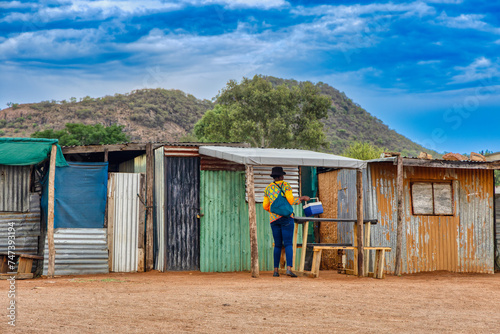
(23, 162)
(202, 209)
(447, 217)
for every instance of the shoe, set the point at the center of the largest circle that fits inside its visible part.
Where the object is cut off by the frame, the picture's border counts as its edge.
(276, 274)
(290, 273)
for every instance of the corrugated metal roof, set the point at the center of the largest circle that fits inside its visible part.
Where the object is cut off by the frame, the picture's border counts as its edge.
(280, 157)
(79, 251)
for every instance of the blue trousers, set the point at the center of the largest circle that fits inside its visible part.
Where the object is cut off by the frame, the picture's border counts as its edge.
(283, 235)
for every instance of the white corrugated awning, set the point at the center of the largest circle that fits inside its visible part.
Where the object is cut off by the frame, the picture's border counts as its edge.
(280, 157)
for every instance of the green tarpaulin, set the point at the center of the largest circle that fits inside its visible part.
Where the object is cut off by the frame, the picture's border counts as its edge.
(28, 151)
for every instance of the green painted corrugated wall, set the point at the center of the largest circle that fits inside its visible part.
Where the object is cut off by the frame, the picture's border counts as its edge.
(224, 231)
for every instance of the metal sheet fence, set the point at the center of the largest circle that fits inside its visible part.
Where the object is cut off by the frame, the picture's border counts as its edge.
(125, 220)
(224, 235)
(159, 210)
(14, 188)
(79, 251)
(182, 190)
(26, 226)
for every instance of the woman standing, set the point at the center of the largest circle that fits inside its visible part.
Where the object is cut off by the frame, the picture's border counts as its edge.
(282, 226)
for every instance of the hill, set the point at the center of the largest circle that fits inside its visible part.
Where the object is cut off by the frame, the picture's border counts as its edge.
(168, 115)
(147, 114)
(348, 122)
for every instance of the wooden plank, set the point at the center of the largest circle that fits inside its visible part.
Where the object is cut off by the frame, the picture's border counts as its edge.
(304, 249)
(103, 148)
(294, 246)
(379, 259)
(316, 262)
(367, 243)
(334, 247)
(252, 220)
(24, 265)
(142, 225)
(450, 164)
(387, 249)
(50, 215)
(29, 256)
(150, 181)
(399, 233)
(111, 219)
(359, 215)
(301, 220)
(17, 276)
(4, 261)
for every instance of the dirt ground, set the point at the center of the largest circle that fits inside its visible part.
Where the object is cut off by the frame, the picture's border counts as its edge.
(235, 302)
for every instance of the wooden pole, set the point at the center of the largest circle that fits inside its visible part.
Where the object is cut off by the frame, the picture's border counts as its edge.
(150, 170)
(105, 155)
(359, 223)
(142, 220)
(50, 214)
(399, 237)
(252, 220)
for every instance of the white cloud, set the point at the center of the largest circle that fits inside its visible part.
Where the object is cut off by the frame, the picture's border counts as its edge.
(480, 68)
(264, 4)
(466, 21)
(452, 2)
(414, 8)
(428, 62)
(54, 44)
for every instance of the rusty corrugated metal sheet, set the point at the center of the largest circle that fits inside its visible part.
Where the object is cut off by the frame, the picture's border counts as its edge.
(26, 225)
(497, 228)
(14, 188)
(79, 251)
(125, 187)
(383, 196)
(459, 243)
(476, 243)
(159, 210)
(211, 163)
(225, 236)
(181, 151)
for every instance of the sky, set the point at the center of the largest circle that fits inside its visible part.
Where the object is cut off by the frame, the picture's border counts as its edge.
(428, 69)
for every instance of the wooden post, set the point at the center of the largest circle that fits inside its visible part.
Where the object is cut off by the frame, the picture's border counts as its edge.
(252, 220)
(50, 214)
(359, 223)
(150, 170)
(367, 244)
(399, 237)
(106, 208)
(111, 218)
(142, 217)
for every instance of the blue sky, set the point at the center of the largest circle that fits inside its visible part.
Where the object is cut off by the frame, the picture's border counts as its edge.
(428, 69)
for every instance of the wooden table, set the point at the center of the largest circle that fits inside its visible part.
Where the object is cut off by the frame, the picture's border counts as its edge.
(304, 221)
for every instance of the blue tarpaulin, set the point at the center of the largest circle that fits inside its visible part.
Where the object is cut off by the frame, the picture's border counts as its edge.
(80, 195)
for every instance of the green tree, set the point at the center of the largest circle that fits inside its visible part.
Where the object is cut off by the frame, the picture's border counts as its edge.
(264, 115)
(81, 134)
(363, 151)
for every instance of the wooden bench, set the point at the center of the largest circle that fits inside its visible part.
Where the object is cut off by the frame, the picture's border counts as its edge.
(379, 257)
(24, 265)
